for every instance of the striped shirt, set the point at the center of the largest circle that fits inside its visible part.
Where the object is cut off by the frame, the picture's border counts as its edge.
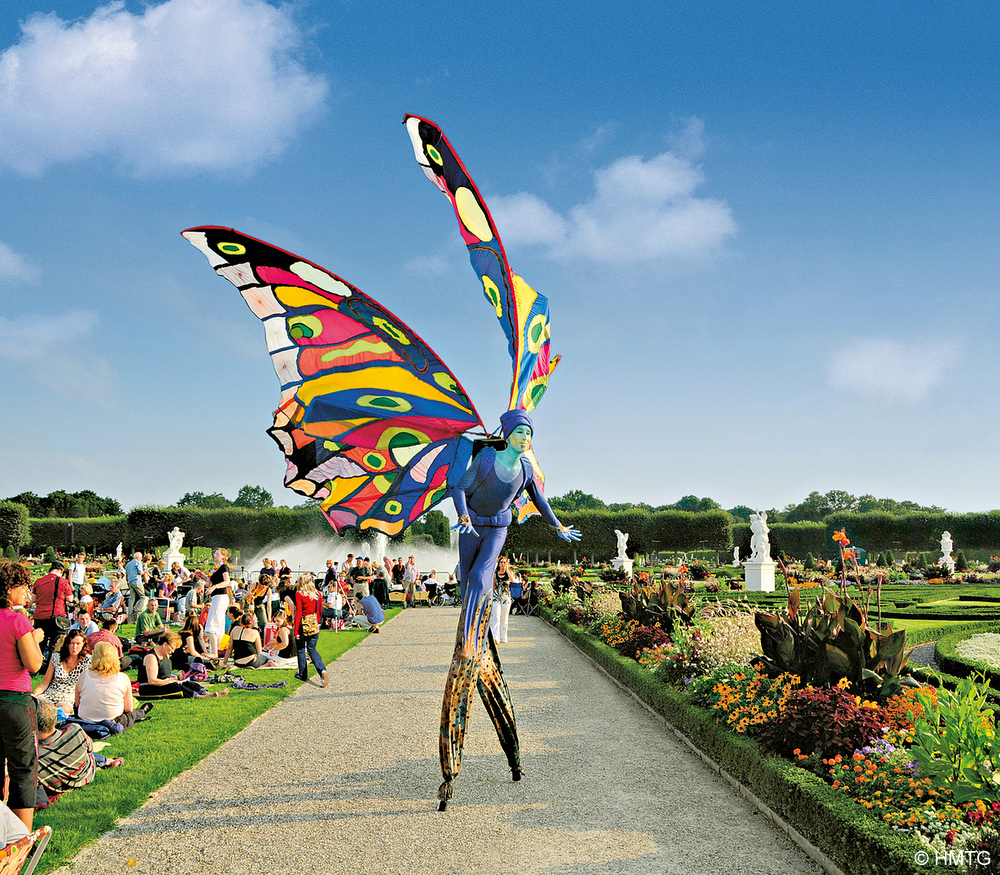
(66, 759)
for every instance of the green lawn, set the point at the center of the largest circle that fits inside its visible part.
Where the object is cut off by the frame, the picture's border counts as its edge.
(181, 733)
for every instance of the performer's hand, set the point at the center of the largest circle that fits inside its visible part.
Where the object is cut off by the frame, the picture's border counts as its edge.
(465, 526)
(568, 534)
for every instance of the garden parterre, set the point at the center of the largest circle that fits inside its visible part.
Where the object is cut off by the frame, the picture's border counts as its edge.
(919, 759)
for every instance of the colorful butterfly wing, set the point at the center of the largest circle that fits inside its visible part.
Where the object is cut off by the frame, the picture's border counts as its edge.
(523, 313)
(370, 420)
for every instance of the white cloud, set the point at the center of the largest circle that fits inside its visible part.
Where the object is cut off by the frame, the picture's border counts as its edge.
(186, 84)
(890, 370)
(14, 267)
(642, 210)
(52, 351)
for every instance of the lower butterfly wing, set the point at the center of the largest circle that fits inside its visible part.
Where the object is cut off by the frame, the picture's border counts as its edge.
(522, 312)
(370, 420)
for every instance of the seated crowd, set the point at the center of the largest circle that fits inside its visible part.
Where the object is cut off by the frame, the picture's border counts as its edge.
(64, 628)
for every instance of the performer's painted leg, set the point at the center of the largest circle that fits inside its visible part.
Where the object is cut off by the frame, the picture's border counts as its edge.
(458, 695)
(496, 698)
(477, 555)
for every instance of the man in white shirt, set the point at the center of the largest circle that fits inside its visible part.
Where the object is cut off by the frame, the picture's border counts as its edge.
(78, 573)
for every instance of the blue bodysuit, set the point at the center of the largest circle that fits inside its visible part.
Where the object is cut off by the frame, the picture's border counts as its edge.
(486, 498)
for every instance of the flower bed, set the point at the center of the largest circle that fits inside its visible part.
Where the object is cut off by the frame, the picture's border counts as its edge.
(914, 766)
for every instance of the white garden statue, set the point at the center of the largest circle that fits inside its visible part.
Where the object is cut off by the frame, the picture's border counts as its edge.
(621, 561)
(760, 545)
(947, 545)
(759, 569)
(175, 537)
(736, 556)
(622, 541)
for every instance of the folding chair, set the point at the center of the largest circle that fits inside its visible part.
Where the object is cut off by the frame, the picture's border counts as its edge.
(529, 607)
(516, 591)
(14, 856)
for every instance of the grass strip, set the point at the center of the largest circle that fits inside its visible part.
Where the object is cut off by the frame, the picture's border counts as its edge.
(181, 733)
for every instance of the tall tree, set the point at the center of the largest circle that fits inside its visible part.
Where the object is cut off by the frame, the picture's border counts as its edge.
(256, 497)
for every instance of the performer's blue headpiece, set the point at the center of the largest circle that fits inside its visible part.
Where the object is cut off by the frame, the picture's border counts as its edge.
(512, 419)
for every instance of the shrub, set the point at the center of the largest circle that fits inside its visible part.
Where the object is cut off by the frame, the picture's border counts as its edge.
(698, 571)
(889, 558)
(880, 561)
(10, 553)
(50, 555)
(809, 563)
(961, 563)
(642, 638)
(823, 722)
(742, 699)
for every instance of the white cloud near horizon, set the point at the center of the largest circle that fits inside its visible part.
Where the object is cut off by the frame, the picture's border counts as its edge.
(886, 369)
(185, 85)
(52, 351)
(13, 266)
(642, 210)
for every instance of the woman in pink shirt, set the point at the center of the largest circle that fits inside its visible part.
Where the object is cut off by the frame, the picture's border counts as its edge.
(20, 656)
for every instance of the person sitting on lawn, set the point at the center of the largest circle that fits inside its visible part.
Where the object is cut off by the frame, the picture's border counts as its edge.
(157, 679)
(105, 692)
(66, 758)
(107, 632)
(84, 622)
(194, 598)
(283, 651)
(245, 647)
(149, 625)
(66, 667)
(194, 645)
(113, 603)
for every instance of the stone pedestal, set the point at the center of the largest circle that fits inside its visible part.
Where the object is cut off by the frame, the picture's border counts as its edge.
(619, 564)
(759, 576)
(172, 556)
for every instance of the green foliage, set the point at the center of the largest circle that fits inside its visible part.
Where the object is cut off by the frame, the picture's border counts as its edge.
(693, 504)
(659, 606)
(11, 553)
(831, 641)
(889, 558)
(98, 534)
(50, 555)
(575, 500)
(683, 530)
(199, 499)
(71, 505)
(254, 497)
(809, 563)
(954, 740)
(433, 527)
(823, 722)
(961, 563)
(14, 527)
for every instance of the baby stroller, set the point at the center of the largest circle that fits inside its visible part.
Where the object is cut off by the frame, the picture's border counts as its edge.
(446, 593)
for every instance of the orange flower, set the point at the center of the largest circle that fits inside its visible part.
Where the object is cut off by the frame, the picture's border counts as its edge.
(841, 537)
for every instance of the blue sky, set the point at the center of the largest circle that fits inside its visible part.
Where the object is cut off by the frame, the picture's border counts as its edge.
(768, 233)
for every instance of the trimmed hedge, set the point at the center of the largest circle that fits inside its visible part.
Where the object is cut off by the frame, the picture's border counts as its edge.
(830, 820)
(663, 531)
(946, 655)
(14, 526)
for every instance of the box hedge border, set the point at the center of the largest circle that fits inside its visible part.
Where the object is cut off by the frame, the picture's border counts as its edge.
(832, 822)
(948, 658)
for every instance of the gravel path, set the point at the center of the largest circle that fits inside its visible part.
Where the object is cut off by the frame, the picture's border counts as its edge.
(343, 780)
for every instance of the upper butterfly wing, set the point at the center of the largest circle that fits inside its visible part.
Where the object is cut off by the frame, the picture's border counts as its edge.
(370, 420)
(523, 313)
